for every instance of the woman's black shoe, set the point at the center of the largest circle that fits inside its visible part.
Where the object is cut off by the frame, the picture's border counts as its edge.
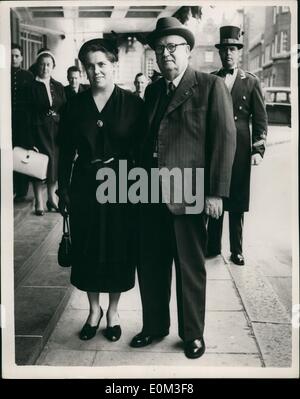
(51, 206)
(113, 333)
(88, 332)
(39, 212)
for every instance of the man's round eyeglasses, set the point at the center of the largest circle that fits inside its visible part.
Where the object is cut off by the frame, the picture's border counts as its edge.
(171, 47)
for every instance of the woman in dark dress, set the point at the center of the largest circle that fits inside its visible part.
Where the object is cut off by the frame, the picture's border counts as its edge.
(101, 126)
(47, 99)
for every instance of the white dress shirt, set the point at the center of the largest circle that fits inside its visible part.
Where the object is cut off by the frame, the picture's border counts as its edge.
(47, 84)
(230, 79)
(176, 81)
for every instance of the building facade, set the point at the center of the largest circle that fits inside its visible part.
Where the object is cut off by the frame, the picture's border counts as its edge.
(268, 44)
(276, 55)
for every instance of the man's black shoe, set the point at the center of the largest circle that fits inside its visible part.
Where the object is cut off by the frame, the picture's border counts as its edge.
(141, 339)
(238, 259)
(194, 349)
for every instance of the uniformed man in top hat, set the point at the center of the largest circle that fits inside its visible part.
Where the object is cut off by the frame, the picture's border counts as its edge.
(248, 105)
(20, 85)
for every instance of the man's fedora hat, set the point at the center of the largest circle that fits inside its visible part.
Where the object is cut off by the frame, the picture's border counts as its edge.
(230, 36)
(170, 26)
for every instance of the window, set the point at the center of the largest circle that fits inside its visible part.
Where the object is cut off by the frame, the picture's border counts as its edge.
(254, 64)
(269, 96)
(283, 42)
(31, 43)
(149, 67)
(282, 97)
(209, 56)
(267, 53)
(285, 9)
(273, 49)
(276, 44)
(274, 15)
(276, 10)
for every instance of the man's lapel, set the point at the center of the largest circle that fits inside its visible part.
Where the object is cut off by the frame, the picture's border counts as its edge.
(183, 91)
(161, 90)
(238, 84)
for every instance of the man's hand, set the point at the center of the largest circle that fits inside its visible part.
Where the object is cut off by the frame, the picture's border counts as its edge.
(214, 207)
(256, 159)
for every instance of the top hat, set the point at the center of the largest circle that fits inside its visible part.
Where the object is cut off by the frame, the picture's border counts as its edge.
(170, 26)
(230, 36)
(108, 45)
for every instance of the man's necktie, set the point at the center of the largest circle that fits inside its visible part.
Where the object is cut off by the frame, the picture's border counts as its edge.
(171, 89)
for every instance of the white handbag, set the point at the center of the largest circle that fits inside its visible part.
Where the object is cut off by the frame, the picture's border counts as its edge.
(30, 163)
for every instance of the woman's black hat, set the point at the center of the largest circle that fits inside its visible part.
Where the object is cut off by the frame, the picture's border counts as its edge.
(108, 45)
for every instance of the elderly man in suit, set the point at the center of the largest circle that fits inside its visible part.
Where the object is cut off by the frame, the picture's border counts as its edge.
(191, 126)
(74, 87)
(248, 106)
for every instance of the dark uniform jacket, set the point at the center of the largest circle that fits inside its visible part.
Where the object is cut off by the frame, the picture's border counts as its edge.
(20, 94)
(69, 92)
(248, 108)
(197, 130)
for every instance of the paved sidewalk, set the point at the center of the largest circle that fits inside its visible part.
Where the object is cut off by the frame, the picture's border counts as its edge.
(229, 336)
(235, 336)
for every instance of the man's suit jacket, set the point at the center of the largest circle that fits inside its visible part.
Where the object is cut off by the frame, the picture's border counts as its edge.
(69, 92)
(248, 107)
(196, 131)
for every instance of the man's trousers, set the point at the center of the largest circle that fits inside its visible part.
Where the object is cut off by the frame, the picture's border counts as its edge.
(166, 238)
(215, 228)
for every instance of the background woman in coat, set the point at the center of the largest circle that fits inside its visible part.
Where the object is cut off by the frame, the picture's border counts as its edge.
(102, 125)
(47, 98)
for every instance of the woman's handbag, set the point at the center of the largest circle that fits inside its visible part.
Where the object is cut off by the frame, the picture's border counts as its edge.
(65, 247)
(30, 163)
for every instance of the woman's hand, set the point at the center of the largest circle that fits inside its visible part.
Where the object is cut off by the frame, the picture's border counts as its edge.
(64, 204)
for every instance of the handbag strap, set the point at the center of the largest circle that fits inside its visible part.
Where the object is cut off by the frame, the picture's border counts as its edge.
(66, 225)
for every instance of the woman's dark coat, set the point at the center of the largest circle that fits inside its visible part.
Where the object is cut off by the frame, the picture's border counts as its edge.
(103, 235)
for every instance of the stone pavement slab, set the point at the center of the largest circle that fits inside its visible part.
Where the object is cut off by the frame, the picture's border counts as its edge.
(222, 295)
(35, 307)
(59, 357)
(109, 358)
(49, 274)
(260, 301)
(28, 348)
(44, 234)
(275, 342)
(216, 270)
